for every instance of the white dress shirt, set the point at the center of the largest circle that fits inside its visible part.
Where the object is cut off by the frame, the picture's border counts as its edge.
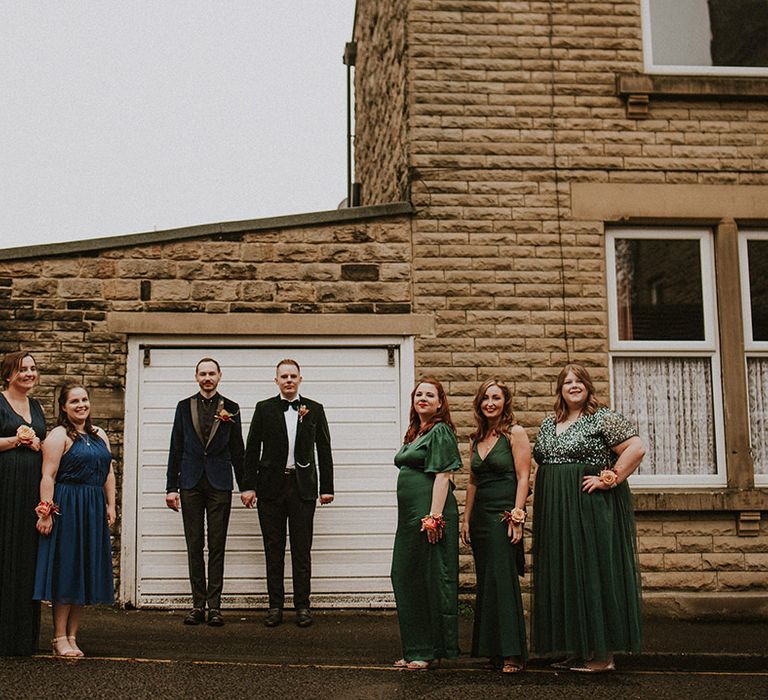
(291, 425)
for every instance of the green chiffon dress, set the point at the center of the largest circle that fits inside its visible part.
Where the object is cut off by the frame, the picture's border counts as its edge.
(425, 577)
(586, 585)
(499, 627)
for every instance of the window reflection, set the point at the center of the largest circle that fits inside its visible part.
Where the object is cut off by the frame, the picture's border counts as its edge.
(757, 257)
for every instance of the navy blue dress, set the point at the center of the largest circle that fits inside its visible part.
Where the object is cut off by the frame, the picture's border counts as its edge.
(74, 563)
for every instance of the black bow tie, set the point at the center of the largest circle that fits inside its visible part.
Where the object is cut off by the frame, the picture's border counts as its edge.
(293, 404)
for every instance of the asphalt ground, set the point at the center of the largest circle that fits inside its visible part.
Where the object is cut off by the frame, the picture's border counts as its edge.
(348, 654)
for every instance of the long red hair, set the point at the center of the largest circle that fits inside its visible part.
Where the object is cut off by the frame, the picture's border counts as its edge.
(442, 415)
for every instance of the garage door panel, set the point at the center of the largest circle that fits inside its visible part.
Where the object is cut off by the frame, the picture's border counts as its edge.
(352, 537)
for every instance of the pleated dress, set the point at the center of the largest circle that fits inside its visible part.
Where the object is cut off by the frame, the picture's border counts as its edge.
(425, 577)
(74, 563)
(586, 584)
(499, 626)
(20, 472)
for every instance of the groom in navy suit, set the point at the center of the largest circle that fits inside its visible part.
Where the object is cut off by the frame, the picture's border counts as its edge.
(286, 433)
(206, 445)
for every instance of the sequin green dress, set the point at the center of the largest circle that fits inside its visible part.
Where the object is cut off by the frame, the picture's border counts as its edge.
(499, 627)
(425, 577)
(586, 586)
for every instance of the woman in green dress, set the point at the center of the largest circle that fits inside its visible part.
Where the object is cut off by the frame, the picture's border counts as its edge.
(425, 560)
(586, 585)
(493, 525)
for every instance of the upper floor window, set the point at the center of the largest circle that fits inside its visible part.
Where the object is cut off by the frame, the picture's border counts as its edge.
(706, 37)
(665, 361)
(753, 248)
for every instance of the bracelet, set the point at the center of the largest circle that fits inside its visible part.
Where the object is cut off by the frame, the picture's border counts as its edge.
(46, 508)
(516, 516)
(609, 478)
(433, 521)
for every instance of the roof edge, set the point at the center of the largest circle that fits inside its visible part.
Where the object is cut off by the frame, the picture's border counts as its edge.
(227, 227)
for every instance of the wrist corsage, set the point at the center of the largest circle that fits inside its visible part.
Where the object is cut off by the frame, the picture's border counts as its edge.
(433, 521)
(609, 478)
(25, 434)
(516, 516)
(46, 508)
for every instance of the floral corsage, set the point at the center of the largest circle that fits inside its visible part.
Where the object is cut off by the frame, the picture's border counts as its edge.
(609, 478)
(223, 414)
(303, 410)
(516, 516)
(25, 434)
(46, 508)
(433, 521)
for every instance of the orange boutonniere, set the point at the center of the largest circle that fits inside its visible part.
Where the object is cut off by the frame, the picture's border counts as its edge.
(223, 414)
(303, 410)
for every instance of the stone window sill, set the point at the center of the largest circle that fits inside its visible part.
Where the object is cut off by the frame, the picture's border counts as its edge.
(637, 89)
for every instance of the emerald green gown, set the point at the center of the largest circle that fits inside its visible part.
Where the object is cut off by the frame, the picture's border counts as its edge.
(499, 627)
(425, 577)
(586, 584)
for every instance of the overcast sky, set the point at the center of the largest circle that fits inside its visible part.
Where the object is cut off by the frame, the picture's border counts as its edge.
(133, 116)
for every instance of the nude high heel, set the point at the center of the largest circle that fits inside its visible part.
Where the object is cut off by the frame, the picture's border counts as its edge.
(73, 643)
(60, 647)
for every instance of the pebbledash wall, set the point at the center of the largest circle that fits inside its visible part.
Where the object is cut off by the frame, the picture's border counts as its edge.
(499, 146)
(526, 134)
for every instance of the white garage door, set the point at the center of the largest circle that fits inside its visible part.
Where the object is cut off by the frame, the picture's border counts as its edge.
(360, 388)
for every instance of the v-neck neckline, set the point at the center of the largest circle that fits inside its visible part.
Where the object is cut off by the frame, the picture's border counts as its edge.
(487, 454)
(10, 405)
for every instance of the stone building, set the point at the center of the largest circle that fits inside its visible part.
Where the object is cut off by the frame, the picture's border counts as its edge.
(541, 182)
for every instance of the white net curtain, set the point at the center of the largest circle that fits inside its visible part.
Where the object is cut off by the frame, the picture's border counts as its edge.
(757, 381)
(669, 399)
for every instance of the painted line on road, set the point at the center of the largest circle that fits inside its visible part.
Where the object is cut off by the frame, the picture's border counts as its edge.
(376, 667)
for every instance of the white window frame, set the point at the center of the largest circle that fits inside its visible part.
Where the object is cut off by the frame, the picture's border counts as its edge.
(709, 347)
(653, 68)
(752, 347)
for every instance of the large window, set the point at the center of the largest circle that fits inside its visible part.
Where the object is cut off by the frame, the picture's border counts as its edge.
(754, 265)
(710, 37)
(664, 352)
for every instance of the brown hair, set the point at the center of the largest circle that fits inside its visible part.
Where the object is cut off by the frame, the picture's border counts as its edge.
(443, 414)
(63, 419)
(506, 419)
(207, 359)
(12, 365)
(590, 405)
(288, 361)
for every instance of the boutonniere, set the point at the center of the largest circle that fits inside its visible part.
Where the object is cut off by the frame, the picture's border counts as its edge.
(303, 410)
(223, 414)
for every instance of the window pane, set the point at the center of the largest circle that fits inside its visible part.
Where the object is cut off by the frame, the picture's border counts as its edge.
(669, 399)
(757, 256)
(757, 379)
(659, 289)
(709, 32)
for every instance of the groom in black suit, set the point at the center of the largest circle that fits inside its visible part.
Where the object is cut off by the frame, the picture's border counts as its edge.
(206, 445)
(281, 470)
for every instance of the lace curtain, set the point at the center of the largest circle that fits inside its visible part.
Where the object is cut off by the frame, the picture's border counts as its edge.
(669, 399)
(757, 382)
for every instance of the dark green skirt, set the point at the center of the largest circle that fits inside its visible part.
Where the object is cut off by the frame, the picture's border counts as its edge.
(586, 586)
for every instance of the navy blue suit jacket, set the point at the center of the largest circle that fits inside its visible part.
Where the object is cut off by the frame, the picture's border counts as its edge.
(191, 454)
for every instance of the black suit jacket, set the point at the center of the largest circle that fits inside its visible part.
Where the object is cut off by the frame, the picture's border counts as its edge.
(191, 454)
(266, 451)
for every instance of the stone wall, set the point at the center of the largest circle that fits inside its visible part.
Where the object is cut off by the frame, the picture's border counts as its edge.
(56, 305)
(381, 101)
(509, 104)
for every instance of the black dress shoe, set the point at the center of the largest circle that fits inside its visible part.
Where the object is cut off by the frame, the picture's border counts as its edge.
(214, 618)
(303, 617)
(274, 617)
(195, 617)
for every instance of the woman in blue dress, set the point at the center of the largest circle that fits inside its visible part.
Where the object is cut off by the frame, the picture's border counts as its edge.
(77, 508)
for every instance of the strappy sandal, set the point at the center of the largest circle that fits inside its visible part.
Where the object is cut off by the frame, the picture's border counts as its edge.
(73, 643)
(60, 647)
(584, 667)
(418, 665)
(512, 667)
(400, 663)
